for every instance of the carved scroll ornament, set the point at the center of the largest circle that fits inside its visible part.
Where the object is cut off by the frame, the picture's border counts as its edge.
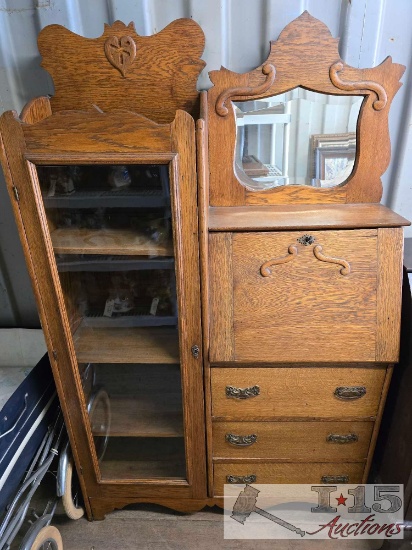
(317, 251)
(265, 269)
(268, 70)
(350, 86)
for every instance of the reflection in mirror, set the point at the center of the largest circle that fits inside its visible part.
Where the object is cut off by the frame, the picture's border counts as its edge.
(296, 138)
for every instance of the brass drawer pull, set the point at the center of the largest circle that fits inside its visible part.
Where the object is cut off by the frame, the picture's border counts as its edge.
(334, 479)
(337, 438)
(241, 479)
(241, 440)
(350, 392)
(239, 393)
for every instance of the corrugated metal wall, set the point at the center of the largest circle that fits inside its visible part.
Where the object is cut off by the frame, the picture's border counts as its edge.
(237, 36)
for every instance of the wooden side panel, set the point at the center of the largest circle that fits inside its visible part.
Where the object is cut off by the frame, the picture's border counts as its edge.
(390, 256)
(221, 298)
(286, 472)
(296, 392)
(376, 427)
(293, 441)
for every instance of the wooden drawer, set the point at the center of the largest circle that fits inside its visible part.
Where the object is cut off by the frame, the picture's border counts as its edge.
(312, 441)
(284, 472)
(297, 392)
(273, 299)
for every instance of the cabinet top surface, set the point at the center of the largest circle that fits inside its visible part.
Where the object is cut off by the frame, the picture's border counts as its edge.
(303, 216)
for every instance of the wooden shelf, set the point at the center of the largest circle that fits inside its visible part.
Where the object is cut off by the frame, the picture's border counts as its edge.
(302, 216)
(130, 321)
(131, 418)
(101, 263)
(151, 458)
(128, 198)
(106, 241)
(126, 345)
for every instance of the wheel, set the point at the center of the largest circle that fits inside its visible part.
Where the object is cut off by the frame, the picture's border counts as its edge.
(48, 538)
(69, 497)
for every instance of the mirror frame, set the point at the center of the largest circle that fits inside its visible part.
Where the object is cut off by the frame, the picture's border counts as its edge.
(305, 55)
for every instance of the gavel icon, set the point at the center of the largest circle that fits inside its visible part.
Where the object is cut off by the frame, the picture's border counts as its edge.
(246, 504)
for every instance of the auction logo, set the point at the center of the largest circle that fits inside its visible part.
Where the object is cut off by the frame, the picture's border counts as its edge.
(314, 511)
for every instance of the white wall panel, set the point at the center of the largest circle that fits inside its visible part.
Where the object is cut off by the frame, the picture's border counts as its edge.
(237, 36)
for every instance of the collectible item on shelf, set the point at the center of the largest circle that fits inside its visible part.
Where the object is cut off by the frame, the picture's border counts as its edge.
(119, 177)
(61, 182)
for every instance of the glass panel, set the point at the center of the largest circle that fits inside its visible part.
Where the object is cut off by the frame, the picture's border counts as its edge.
(111, 230)
(296, 138)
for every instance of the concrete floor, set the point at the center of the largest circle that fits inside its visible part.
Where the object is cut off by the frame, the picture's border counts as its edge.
(156, 528)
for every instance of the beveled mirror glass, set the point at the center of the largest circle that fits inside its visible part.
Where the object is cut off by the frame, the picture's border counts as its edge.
(296, 138)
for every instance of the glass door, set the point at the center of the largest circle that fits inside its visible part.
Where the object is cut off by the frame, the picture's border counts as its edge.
(111, 228)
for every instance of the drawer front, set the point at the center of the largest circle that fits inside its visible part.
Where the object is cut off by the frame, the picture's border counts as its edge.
(288, 297)
(292, 440)
(284, 472)
(298, 392)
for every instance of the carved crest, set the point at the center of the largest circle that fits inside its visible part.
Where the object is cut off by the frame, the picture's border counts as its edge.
(105, 71)
(120, 52)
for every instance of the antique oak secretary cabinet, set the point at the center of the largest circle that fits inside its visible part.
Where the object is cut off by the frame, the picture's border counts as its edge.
(221, 307)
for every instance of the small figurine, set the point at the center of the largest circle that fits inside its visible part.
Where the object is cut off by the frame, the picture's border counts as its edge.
(61, 182)
(119, 177)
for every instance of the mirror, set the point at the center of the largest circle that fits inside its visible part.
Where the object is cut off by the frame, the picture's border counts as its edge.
(296, 138)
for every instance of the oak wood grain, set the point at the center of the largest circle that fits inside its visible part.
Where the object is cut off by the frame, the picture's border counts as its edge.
(307, 441)
(36, 110)
(186, 242)
(375, 433)
(203, 201)
(302, 216)
(33, 231)
(302, 298)
(303, 56)
(221, 298)
(100, 507)
(160, 79)
(85, 132)
(130, 417)
(389, 298)
(297, 392)
(286, 472)
(126, 345)
(178, 150)
(73, 240)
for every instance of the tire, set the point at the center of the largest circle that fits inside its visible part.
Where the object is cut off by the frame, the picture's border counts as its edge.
(69, 505)
(48, 538)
